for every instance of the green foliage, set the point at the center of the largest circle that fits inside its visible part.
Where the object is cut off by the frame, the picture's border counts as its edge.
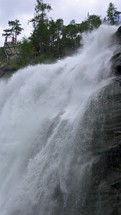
(55, 34)
(118, 169)
(71, 36)
(13, 65)
(84, 26)
(94, 21)
(2, 54)
(27, 50)
(44, 58)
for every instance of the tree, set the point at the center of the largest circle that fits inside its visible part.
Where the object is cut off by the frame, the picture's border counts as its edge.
(59, 28)
(94, 21)
(72, 35)
(6, 34)
(14, 31)
(84, 26)
(111, 13)
(27, 49)
(40, 35)
(15, 28)
(41, 9)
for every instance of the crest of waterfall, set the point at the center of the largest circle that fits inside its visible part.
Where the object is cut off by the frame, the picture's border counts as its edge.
(45, 158)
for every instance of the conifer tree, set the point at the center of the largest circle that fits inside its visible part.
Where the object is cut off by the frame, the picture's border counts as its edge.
(111, 13)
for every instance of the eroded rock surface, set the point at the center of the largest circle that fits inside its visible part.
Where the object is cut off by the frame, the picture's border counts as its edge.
(106, 173)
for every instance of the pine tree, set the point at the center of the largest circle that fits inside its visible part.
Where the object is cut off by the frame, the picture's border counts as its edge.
(111, 13)
(15, 28)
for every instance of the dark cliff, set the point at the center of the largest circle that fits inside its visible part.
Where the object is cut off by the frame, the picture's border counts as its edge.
(106, 171)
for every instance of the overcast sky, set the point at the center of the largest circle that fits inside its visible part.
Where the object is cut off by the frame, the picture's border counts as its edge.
(65, 9)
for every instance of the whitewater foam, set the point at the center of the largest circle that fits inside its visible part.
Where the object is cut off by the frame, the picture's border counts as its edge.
(41, 107)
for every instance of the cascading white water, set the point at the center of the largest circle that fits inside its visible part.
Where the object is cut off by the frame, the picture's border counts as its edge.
(43, 167)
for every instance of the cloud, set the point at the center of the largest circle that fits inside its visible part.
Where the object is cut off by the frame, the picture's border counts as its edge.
(78, 9)
(13, 9)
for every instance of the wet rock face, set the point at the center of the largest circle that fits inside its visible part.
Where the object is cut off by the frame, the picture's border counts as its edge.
(118, 34)
(105, 189)
(116, 59)
(114, 154)
(116, 62)
(109, 189)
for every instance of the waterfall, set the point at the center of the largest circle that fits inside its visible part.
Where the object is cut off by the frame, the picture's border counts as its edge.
(46, 156)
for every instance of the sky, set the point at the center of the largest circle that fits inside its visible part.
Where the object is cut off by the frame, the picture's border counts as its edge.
(68, 10)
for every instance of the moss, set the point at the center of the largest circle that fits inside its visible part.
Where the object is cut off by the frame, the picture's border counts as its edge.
(117, 169)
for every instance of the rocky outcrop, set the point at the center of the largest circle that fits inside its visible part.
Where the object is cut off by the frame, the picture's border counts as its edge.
(11, 50)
